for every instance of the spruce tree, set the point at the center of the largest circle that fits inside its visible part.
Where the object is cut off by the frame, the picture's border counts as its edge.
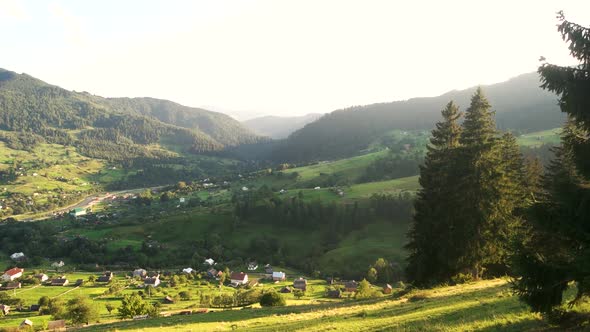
(557, 250)
(430, 237)
(492, 190)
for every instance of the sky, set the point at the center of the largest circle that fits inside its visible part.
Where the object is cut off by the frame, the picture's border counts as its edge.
(273, 57)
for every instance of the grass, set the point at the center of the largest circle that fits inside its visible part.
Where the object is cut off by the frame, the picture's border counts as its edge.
(536, 139)
(360, 248)
(351, 168)
(483, 306)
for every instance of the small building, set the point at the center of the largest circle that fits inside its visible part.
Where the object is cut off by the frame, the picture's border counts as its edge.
(141, 273)
(12, 274)
(169, 300)
(387, 289)
(56, 325)
(57, 264)
(152, 281)
(279, 276)
(244, 188)
(252, 266)
(209, 261)
(11, 285)
(79, 282)
(78, 212)
(25, 324)
(18, 257)
(105, 277)
(334, 294)
(42, 277)
(4, 309)
(286, 290)
(181, 200)
(300, 284)
(351, 286)
(34, 308)
(212, 273)
(268, 271)
(188, 270)
(60, 281)
(239, 278)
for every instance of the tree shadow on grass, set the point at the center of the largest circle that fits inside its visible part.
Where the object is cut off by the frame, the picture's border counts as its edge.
(453, 311)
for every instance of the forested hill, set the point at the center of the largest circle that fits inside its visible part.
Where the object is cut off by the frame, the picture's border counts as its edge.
(32, 111)
(222, 128)
(519, 103)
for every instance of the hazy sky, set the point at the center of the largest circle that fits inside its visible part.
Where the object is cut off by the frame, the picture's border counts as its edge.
(280, 57)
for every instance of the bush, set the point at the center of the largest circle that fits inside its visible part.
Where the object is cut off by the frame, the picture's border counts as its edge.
(461, 278)
(272, 299)
(184, 295)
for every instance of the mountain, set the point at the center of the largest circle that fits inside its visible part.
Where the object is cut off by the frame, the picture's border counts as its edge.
(520, 104)
(279, 127)
(110, 128)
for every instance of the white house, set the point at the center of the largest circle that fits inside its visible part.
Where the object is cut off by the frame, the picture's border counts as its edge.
(252, 266)
(209, 261)
(17, 256)
(139, 273)
(58, 264)
(12, 274)
(41, 277)
(188, 270)
(239, 278)
(244, 188)
(181, 200)
(317, 188)
(279, 276)
(153, 281)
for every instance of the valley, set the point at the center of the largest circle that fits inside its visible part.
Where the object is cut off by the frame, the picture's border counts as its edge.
(159, 204)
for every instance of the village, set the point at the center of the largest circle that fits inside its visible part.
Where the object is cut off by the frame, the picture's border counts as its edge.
(24, 294)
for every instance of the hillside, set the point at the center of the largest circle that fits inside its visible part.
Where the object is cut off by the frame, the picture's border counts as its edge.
(520, 104)
(280, 126)
(485, 306)
(117, 128)
(222, 128)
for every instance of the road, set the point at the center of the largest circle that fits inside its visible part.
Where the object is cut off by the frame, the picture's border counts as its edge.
(87, 202)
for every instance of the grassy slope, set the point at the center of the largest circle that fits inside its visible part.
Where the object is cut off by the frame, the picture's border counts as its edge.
(350, 167)
(486, 306)
(539, 138)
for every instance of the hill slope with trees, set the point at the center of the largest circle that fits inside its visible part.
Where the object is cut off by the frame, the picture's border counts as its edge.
(520, 106)
(32, 110)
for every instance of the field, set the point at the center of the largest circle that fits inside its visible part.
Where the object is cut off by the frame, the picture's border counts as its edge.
(351, 168)
(483, 306)
(539, 138)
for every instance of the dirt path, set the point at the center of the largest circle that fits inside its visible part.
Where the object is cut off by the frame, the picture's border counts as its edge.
(64, 293)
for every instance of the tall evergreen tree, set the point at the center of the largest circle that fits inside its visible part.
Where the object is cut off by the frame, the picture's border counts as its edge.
(431, 233)
(557, 251)
(492, 191)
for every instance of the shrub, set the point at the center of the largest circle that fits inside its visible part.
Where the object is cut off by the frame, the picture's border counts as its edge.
(461, 278)
(272, 299)
(184, 295)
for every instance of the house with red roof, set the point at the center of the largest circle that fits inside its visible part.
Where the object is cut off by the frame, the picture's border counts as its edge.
(12, 274)
(239, 278)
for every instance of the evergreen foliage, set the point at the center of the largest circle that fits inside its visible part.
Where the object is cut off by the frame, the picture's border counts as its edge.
(557, 250)
(473, 187)
(428, 257)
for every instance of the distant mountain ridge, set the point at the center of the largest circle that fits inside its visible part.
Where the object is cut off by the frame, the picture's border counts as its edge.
(520, 103)
(280, 126)
(105, 127)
